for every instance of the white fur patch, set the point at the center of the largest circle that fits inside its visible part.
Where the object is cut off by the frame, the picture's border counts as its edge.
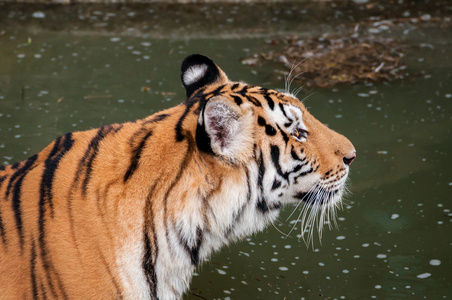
(194, 74)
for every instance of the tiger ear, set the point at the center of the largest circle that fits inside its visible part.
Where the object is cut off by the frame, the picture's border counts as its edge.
(224, 130)
(198, 71)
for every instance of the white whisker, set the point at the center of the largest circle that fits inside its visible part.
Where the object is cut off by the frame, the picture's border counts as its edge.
(287, 82)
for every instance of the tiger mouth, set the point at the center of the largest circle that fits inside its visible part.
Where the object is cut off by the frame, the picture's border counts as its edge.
(318, 195)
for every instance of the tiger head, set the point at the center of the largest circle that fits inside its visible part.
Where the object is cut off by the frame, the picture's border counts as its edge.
(287, 155)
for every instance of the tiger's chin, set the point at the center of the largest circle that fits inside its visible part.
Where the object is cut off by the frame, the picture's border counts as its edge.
(318, 207)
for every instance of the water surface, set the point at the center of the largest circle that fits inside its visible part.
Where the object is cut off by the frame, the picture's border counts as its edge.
(395, 230)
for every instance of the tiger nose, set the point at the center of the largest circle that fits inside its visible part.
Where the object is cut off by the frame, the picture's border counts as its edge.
(349, 159)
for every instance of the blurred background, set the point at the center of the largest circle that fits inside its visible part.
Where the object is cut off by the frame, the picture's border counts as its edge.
(379, 72)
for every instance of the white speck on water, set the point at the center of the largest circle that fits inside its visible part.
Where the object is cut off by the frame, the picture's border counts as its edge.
(338, 116)
(363, 95)
(20, 55)
(378, 286)
(321, 264)
(305, 272)
(283, 268)
(221, 272)
(345, 271)
(448, 95)
(120, 100)
(274, 259)
(341, 237)
(38, 15)
(288, 246)
(381, 256)
(424, 275)
(115, 39)
(146, 44)
(365, 245)
(395, 216)
(435, 262)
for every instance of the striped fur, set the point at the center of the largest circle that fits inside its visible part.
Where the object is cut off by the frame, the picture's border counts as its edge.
(129, 210)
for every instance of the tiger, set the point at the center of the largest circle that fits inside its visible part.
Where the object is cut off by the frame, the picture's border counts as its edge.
(128, 211)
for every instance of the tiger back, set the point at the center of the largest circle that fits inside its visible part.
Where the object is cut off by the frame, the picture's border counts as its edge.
(130, 210)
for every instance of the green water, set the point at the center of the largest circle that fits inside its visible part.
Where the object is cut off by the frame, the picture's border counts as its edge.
(394, 239)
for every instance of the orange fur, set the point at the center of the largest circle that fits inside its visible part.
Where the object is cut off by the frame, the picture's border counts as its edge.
(118, 211)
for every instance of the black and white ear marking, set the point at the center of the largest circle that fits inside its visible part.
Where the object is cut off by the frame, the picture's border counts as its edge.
(198, 71)
(228, 130)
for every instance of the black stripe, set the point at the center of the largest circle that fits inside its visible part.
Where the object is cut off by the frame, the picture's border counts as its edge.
(276, 184)
(19, 173)
(2, 178)
(261, 172)
(2, 230)
(300, 196)
(149, 266)
(297, 168)
(284, 135)
(281, 107)
(294, 155)
(179, 134)
(156, 118)
(233, 87)
(270, 130)
(253, 100)
(2, 168)
(194, 251)
(34, 284)
(15, 165)
(136, 155)
(150, 249)
(217, 91)
(270, 101)
(243, 91)
(16, 197)
(118, 294)
(306, 172)
(262, 205)
(274, 150)
(203, 140)
(176, 180)
(61, 146)
(91, 153)
(237, 99)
